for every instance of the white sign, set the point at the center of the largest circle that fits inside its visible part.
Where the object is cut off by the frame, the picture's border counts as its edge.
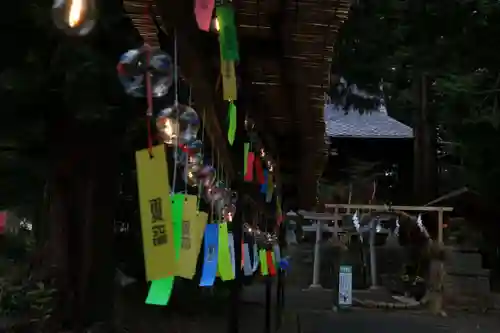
(345, 286)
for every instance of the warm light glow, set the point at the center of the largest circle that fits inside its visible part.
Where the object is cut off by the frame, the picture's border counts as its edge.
(216, 24)
(168, 130)
(76, 13)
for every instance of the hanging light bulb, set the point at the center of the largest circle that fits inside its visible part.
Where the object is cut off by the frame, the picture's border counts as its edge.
(74, 17)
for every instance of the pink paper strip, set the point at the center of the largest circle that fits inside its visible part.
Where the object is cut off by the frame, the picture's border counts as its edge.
(203, 10)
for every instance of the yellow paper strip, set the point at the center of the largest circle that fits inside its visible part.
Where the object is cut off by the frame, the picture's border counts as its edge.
(193, 228)
(156, 213)
(229, 88)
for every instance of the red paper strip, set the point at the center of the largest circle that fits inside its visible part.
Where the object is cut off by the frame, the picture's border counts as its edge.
(249, 167)
(259, 171)
(270, 263)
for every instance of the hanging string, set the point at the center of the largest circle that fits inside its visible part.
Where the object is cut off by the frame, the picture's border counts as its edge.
(149, 90)
(200, 185)
(218, 173)
(176, 105)
(187, 154)
(149, 97)
(176, 73)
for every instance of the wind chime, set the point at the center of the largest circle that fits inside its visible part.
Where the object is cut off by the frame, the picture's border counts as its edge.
(173, 227)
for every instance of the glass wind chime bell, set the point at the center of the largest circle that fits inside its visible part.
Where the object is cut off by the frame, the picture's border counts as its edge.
(135, 64)
(178, 125)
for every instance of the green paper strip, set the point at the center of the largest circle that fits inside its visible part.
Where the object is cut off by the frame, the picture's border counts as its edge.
(246, 147)
(227, 35)
(263, 263)
(160, 291)
(224, 256)
(274, 258)
(232, 124)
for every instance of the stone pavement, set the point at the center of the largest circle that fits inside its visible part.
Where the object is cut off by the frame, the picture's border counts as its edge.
(377, 321)
(311, 312)
(322, 299)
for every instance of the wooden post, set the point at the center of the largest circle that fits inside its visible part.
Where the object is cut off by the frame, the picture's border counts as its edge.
(437, 272)
(440, 227)
(268, 300)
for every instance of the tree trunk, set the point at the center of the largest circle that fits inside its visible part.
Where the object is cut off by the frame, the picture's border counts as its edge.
(83, 196)
(425, 166)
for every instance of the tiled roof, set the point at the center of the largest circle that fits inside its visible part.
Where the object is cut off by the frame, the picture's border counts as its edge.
(374, 124)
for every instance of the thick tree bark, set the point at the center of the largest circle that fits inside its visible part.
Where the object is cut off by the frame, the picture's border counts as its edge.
(83, 194)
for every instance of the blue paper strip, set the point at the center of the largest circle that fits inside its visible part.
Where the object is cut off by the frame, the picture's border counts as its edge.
(255, 258)
(263, 187)
(247, 264)
(210, 255)
(230, 240)
(277, 253)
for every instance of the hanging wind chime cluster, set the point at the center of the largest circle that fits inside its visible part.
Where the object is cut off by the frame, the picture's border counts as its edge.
(257, 145)
(262, 239)
(150, 73)
(260, 164)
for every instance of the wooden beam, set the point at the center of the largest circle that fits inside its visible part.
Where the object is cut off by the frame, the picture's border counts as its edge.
(388, 208)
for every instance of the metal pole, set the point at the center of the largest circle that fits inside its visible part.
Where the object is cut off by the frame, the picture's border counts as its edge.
(280, 283)
(317, 257)
(267, 323)
(373, 258)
